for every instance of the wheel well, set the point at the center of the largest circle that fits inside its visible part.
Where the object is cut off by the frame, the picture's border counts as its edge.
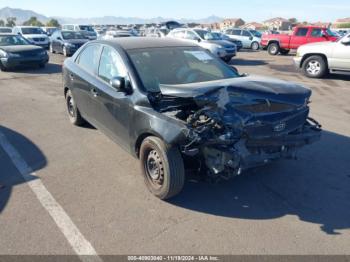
(273, 42)
(139, 141)
(313, 54)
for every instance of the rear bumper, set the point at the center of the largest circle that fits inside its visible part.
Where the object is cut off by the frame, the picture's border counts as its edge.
(15, 62)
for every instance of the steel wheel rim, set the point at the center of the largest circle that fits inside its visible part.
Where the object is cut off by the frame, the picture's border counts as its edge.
(313, 67)
(154, 168)
(71, 106)
(273, 49)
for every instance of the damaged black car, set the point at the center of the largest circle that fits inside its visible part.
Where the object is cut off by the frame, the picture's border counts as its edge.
(167, 101)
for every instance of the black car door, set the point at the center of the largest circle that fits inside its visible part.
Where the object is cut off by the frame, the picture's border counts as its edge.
(113, 108)
(85, 81)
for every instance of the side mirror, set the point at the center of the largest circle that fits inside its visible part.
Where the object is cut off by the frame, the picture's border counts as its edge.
(118, 83)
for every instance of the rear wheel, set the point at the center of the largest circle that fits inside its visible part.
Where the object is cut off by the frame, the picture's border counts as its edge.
(273, 49)
(255, 46)
(2, 67)
(73, 111)
(162, 167)
(315, 67)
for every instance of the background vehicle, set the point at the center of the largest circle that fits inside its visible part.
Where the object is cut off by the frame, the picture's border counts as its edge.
(157, 32)
(301, 35)
(115, 34)
(7, 30)
(249, 38)
(17, 51)
(87, 30)
(221, 48)
(33, 34)
(193, 107)
(236, 42)
(317, 59)
(49, 30)
(66, 42)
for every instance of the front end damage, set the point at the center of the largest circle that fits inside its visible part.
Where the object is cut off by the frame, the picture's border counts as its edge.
(241, 125)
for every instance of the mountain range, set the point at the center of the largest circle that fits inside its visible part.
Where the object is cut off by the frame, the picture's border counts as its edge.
(24, 15)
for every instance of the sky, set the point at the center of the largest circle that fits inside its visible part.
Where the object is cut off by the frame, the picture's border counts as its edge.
(252, 10)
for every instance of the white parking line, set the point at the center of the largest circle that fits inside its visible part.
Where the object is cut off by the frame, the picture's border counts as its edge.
(75, 238)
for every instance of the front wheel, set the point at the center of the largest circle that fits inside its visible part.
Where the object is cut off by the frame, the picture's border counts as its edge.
(163, 168)
(2, 67)
(273, 49)
(255, 46)
(315, 67)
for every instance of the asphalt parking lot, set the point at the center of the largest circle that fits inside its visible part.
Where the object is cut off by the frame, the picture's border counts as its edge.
(289, 207)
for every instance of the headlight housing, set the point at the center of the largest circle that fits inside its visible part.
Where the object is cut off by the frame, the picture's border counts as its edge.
(3, 54)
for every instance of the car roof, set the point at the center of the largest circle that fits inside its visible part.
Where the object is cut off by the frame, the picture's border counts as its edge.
(148, 42)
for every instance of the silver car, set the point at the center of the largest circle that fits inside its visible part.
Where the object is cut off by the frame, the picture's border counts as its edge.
(218, 47)
(318, 59)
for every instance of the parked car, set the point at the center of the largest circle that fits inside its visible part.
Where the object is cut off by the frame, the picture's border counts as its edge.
(17, 51)
(87, 30)
(236, 42)
(49, 30)
(318, 59)
(249, 38)
(157, 32)
(66, 42)
(221, 48)
(283, 43)
(165, 100)
(5, 30)
(115, 34)
(33, 34)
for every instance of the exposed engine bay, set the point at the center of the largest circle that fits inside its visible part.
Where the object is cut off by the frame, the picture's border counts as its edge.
(232, 127)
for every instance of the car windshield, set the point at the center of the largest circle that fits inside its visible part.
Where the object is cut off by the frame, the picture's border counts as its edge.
(32, 31)
(256, 33)
(207, 35)
(72, 35)
(217, 36)
(12, 40)
(5, 30)
(86, 28)
(176, 66)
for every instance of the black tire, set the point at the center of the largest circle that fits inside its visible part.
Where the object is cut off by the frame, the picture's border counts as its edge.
(284, 51)
(73, 111)
(42, 65)
(255, 46)
(167, 178)
(273, 49)
(315, 67)
(3, 68)
(227, 59)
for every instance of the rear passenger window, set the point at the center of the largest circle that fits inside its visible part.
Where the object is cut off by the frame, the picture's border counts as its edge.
(301, 32)
(317, 32)
(89, 58)
(111, 65)
(246, 33)
(236, 32)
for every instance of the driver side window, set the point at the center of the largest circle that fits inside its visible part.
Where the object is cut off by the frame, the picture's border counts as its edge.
(111, 65)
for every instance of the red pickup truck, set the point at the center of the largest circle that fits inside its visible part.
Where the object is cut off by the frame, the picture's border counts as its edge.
(283, 43)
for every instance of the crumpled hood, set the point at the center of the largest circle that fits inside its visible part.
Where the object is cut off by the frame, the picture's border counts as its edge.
(242, 89)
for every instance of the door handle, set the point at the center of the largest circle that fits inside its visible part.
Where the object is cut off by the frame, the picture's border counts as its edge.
(94, 92)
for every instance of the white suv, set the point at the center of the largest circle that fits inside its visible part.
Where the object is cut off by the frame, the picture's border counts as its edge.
(87, 30)
(35, 35)
(249, 38)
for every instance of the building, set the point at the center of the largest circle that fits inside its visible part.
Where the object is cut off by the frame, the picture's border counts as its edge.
(278, 23)
(231, 23)
(344, 22)
(253, 26)
(213, 26)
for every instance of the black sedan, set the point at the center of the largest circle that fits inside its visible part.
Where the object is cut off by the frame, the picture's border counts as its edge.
(66, 42)
(17, 51)
(169, 102)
